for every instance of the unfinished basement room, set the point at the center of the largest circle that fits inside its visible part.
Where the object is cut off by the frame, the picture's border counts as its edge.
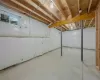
(49, 40)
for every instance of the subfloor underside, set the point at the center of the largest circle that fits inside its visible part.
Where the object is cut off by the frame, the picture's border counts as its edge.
(52, 66)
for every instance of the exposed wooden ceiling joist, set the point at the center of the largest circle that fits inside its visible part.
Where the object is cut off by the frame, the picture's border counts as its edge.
(44, 8)
(16, 6)
(61, 9)
(78, 5)
(85, 16)
(94, 4)
(64, 27)
(73, 5)
(31, 11)
(34, 9)
(66, 10)
(84, 23)
(89, 7)
(61, 28)
(84, 5)
(90, 22)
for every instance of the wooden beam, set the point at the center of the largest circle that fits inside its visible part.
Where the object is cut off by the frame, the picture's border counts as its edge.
(59, 28)
(89, 7)
(67, 26)
(85, 16)
(31, 11)
(84, 6)
(60, 7)
(90, 22)
(78, 5)
(35, 9)
(45, 9)
(66, 7)
(75, 25)
(93, 23)
(97, 18)
(73, 6)
(64, 27)
(23, 10)
(84, 23)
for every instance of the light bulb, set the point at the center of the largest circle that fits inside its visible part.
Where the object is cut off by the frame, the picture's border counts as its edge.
(71, 28)
(51, 5)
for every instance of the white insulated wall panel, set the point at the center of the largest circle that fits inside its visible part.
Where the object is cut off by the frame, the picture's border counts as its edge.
(73, 38)
(36, 30)
(26, 26)
(16, 50)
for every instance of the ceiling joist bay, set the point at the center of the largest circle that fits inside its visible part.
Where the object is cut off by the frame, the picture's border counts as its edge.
(55, 12)
(35, 9)
(26, 11)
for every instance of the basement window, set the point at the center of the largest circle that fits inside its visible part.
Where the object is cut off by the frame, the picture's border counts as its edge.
(7, 17)
(14, 20)
(4, 18)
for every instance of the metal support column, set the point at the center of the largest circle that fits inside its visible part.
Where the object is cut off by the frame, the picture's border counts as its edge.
(61, 41)
(81, 25)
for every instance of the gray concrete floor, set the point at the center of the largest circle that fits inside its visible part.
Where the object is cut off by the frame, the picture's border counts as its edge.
(52, 66)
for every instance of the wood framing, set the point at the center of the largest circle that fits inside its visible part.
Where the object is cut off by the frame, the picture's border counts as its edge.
(84, 23)
(97, 23)
(62, 12)
(85, 16)
(78, 5)
(45, 9)
(29, 10)
(35, 9)
(89, 7)
(60, 7)
(23, 10)
(73, 6)
(84, 4)
(90, 22)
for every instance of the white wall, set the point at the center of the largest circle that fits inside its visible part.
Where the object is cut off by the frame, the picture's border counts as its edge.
(35, 39)
(73, 38)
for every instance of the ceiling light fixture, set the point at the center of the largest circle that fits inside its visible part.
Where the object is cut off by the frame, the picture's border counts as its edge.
(80, 11)
(51, 4)
(71, 28)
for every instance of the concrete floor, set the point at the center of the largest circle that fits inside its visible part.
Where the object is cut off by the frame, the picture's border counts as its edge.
(52, 66)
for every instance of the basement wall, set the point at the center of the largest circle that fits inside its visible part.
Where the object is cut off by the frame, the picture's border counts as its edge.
(73, 38)
(28, 39)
